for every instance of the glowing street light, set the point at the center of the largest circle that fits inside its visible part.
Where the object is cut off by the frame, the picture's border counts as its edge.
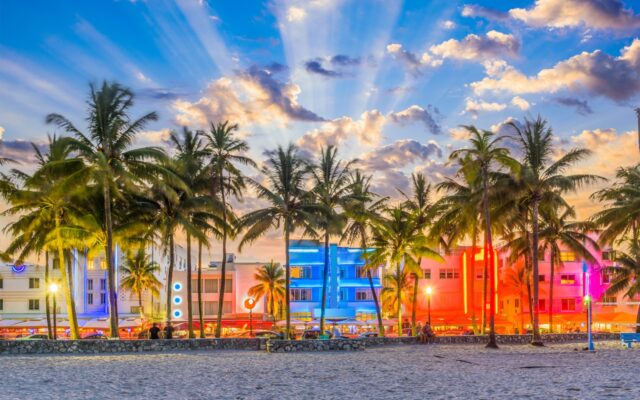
(250, 303)
(429, 293)
(53, 289)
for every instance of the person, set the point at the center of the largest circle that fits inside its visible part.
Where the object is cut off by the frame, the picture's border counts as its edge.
(418, 328)
(168, 331)
(427, 334)
(154, 331)
(336, 332)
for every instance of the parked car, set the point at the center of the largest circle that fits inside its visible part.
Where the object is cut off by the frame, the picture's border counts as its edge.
(37, 336)
(365, 335)
(95, 336)
(314, 333)
(261, 334)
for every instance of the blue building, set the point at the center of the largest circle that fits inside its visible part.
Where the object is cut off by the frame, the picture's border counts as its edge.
(348, 291)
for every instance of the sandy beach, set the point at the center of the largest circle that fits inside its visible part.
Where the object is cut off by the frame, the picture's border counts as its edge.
(401, 372)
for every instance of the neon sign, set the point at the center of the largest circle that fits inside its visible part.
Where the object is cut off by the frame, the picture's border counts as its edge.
(18, 268)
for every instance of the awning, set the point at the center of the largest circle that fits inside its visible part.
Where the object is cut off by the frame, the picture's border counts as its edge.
(34, 323)
(8, 322)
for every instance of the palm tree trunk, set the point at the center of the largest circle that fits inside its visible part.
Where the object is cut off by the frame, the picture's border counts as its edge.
(223, 268)
(325, 277)
(272, 310)
(472, 279)
(521, 313)
(551, 275)
(638, 320)
(399, 299)
(489, 257)
(537, 340)
(200, 316)
(189, 291)
(287, 270)
(46, 294)
(530, 299)
(172, 257)
(414, 303)
(68, 296)
(140, 304)
(376, 304)
(111, 272)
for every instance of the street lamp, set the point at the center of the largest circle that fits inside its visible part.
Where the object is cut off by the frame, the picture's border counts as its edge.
(429, 293)
(53, 289)
(250, 303)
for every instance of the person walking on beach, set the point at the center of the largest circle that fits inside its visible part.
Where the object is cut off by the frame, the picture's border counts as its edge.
(168, 331)
(154, 331)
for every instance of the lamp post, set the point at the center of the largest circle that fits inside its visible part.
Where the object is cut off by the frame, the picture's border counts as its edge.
(588, 303)
(250, 303)
(429, 293)
(53, 289)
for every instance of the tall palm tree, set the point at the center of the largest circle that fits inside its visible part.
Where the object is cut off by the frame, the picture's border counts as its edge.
(140, 275)
(271, 283)
(363, 210)
(560, 230)
(486, 155)
(289, 207)
(331, 191)
(110, 160)
(543, 179)
(227, 153)
(397, 290)
(626, 277)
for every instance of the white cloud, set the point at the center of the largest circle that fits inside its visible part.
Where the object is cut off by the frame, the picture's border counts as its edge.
(1, 133)
(448, 24)
(474, 107)
(154, 137)
(594, 139)
(520, 103)
(427, 116)
(296, 14)
(473, 47)
(459, 133)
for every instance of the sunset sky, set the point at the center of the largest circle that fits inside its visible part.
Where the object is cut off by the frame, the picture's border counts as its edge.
(389, 81)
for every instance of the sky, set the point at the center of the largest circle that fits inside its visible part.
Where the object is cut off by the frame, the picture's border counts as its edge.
(389, 81)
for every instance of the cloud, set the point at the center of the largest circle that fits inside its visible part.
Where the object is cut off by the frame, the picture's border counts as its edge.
(1, 133)
(341, 61)
(250, 96)
(599, 14)
(20, 150)
(296, 14)
(344, 60)
(474, 107)
(413, 64)
(581, 106)
(459, 133)
(597, 73)
(594, 139)
(427, 116)
(448, 24)
(472, 10)
(154, 137)
(315, 67)
(473, 47)
(504, 129)
(520, 103)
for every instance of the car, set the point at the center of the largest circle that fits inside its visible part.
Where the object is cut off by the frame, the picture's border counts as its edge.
(95, 336)
(314, 334)
(37, 336)
(365, 335)
(262, 334)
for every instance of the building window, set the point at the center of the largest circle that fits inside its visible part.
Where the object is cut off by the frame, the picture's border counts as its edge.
(449, 273)
(361, 271)
(135, 309)
(567, 256)
(34, 304)
(516, 303)
(211, 286)
(301, 272)
(567, 279)
(103, 298)
(541, 256)
(56, 263)
(479, 274)
(103, 264)
(426, 273)
(1, 304)
(609, 300)
(568, 305)
(89, 284)
(606, 278)
(103, 284)
(1, 283)
(90, 298)
(301, 295)
(34, 283)
(363, 295)
(542, 304)
(211, 307)
(342, 295)
(541, 278)
(228, 285)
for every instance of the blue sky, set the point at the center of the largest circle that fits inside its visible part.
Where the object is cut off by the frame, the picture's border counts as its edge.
(388, 80)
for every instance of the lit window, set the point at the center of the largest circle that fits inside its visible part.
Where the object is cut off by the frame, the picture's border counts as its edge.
(135, 309)
(567, 279)
(567, 256)
(609, 255)
(568, 305)
(449, 273)
(300, 272)
(301, 295)
(103, 264)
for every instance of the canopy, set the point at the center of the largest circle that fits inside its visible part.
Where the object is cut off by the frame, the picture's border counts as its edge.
(130, 323)
(293, 322)
(7, 322)
(352, 322)
(97, 323)
(33, 323)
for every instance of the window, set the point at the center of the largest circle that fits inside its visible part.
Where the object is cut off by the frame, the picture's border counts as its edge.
(56, 263)
(103, 264)
(211, 307)
(34, 283)
(211, 286)
(567, 279)
(426, 273)
(516, 303)
(103, 298)
(479, 273)
(449, 273)
(1, 283)
(541, 278)
(103, 284)
(135, 310)
(568, 305)
(541, 256)
(361, 272)
(567, 256)
(605, 277)
(1, 304)
(301, 272)
(89, 284)
(609, 300)
(342, 295)
(301, 295)
(34, 304)
(228, 285)
(90, 298)
(542, 304)
(363, 295)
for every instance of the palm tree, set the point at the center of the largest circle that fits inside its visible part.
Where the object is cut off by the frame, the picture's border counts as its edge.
(398, 243)
(558, 230)
(331, 191)
(289, 208)
(226, 152)
(363, 210)
(485, 155)
(397, 290)
(271, 283)
(543, 179)
(518, 278)
(140, 275)
(110, 160)
(626, 277)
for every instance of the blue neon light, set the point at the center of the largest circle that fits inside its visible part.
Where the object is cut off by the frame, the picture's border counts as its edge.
(177, 286)
(177, 313)
(177, 300)
(18, 269)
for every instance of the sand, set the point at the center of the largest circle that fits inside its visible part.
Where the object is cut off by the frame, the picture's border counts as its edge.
(401, 372)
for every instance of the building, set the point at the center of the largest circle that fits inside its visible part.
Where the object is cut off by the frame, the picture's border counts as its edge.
(348, 291)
